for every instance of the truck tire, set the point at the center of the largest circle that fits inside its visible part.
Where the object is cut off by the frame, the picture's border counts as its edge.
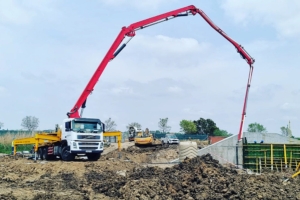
(66, 155)
(40, 154)
(45, 153)
(93, 156)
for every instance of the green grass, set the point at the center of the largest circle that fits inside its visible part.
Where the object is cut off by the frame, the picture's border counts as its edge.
(4, 148)
(6, 139)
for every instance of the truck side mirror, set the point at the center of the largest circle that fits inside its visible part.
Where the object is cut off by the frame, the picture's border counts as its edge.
(103, 127)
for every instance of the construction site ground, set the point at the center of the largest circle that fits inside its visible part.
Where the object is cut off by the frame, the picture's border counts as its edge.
(139, 173)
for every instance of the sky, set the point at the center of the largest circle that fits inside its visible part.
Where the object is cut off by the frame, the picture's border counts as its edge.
(180, 69)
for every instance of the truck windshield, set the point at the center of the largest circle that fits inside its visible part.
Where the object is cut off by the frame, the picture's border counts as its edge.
(86, 127)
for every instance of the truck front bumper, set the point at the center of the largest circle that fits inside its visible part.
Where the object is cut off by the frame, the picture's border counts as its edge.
(86, 151)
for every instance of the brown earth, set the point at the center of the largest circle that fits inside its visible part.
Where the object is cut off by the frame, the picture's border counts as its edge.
(120, 175)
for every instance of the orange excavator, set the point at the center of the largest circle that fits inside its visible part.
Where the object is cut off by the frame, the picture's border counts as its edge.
(142, 138)
(145, 138)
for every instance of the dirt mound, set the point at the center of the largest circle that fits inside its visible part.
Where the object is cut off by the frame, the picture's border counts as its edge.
(144, 154)
(115, 178)
(27, 179)
(204, 178)
(109, 185)
(149, 149)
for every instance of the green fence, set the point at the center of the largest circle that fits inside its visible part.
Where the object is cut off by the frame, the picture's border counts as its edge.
(272, 156)
(182, 136)
(3, 132)
(159, 135)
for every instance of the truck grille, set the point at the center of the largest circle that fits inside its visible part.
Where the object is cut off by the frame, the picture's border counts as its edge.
(88, 148)
(88, 137)
(88, 145)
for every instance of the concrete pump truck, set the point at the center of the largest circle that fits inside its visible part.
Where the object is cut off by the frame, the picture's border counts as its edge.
(79, 135)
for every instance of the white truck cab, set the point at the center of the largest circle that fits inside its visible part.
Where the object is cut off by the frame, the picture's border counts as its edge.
(83, 135)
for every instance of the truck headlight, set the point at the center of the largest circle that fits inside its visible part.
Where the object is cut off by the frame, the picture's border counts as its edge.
(74, 145)
(101, 145)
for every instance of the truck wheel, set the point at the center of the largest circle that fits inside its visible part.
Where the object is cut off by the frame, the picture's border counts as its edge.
(45, 153)
(40, 154)
(93, 156)
(66, 155)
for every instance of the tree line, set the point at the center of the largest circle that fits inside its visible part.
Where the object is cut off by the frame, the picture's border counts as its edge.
(201, 126)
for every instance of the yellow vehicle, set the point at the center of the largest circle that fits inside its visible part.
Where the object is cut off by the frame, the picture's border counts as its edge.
(133, 132)
(145, 139)
(49, 146)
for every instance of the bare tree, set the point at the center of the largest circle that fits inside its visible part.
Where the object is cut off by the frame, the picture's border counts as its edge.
(163, 125)
(1, 125)
(110, 125)
(30, 123)
(135, 124)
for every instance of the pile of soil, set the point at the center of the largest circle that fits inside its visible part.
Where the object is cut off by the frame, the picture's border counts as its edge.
(149, 149)
(140, 155)
(198, 178)
(27, 179)
(111, 178)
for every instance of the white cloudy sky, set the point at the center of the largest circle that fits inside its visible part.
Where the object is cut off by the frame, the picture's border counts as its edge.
(181, 69)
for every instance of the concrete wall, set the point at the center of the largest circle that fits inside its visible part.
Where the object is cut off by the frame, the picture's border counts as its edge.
(225, 150)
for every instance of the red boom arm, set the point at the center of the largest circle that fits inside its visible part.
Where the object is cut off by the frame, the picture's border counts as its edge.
(130, 32)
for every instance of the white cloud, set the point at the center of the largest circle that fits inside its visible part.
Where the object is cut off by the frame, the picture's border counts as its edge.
(285, 106)
(289, 107)
(164, 45)
(143, 5)
(281, 14)
(122, 90)
(13, 12)
(174, 89)
(23, 12)
(3, 92)
(196, 111)
(264, 92)
(289, 118)
(147, 58)
(259, 46)
(2, 89)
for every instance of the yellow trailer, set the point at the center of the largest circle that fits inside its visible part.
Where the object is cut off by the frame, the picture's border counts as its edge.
(47, 140)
